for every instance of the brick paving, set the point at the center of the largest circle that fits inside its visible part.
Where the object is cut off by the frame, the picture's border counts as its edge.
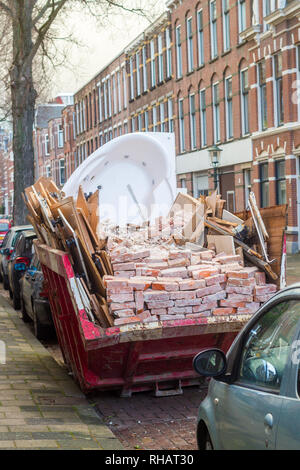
(40, 405)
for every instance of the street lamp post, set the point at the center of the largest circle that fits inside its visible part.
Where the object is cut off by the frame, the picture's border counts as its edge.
(214, 153)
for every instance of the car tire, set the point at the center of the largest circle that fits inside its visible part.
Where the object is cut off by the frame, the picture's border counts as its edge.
(16, 301)
(25, 317)
(41, 332)
(5, 282)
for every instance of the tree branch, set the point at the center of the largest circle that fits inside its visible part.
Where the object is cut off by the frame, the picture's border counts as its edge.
(4, 7)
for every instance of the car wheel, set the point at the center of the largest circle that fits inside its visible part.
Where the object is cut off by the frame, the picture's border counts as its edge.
(25, 317)
(40, 331)
(5, 282)
(16, 301)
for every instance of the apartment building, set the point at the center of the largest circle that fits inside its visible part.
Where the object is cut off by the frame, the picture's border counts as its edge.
(6, 172)
(222, 75)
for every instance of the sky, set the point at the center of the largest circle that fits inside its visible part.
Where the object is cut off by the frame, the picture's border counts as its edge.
(99, 44)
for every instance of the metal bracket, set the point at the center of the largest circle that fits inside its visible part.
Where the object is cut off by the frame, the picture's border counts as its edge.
(170, 392)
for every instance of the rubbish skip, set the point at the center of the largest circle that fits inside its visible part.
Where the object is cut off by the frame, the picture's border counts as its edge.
(133, 304)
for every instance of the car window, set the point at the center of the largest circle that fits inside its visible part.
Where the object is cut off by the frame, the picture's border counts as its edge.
(5, 239)
(19, 245)
(15, 238)
(267, 346)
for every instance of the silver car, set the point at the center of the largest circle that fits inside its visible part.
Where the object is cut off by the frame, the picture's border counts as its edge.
(253, 399)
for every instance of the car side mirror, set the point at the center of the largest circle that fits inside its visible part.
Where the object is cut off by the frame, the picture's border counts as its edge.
(210, 363)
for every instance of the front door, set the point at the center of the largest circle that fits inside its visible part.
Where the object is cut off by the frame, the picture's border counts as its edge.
(248, 410)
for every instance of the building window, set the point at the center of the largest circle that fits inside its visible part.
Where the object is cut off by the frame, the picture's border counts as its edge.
(268, 7)
(115, 94)
(154, 119)
(189, 39)
(213, 29)
(226, 25)
(48, 171)
(262, 96)
(160, 59)
(124, 88)
(280, 182)
(247, 185)
(178, 52)
(162, 117)
(168, 53)
(264, 184)
(131, 78)
(153, 69)
(105, 100)
(146, 117)
(62, 175)
(242, 15)
(133, 124)
(229, 113)
(60, 137)
(119, 91)
(245, 101)
(181, 125)
(125, 128)
(47, 144)
(145, 81)
(200, 38)
(170, 115)
(279, 117)
(100, 103)
(203, 118)
(138, 78)
(182, 182)
(192, 121)
(139, 120)
(216, 112)
(109, 98)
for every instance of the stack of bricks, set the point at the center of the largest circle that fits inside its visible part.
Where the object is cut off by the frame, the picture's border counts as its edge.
(162, 283)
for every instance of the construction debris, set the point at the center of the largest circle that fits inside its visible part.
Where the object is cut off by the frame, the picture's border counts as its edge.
(199, 261)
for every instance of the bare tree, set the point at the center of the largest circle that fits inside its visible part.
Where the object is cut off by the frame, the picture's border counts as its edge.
(27, 26)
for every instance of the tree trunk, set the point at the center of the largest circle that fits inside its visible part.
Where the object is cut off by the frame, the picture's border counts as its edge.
(23, 97)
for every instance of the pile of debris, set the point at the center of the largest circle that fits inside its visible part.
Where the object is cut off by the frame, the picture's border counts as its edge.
(200, 260)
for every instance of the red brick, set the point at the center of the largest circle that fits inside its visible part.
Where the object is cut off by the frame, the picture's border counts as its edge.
(186, 295)
(124, 313)
(150, 272)
(114, 282)
(232, 303)
(144, 315)
(263, 290)
(228, 268)
(178, 262)
(245, 273)
(126, 274)
(121, 306)
(158, 265)
(205, 307)
(179, 310)
(123, 266)
(187, 303)
(119, 290)
(138, 285)
(212, 280)
(152, 318)
(240, 290)
(159, 311)
(229, 259)
(210, 298)
(172, 317)
(206, 313)
(202, 274)
(191, 284)
(160, 304)
(224, 311)
(150, 295)
(139, 300)
(240, 297)
(263, 298)
(209, 290)
(260, 278)
(119, 298)
(174, 272)
(165, 285)
(126, 321)
(231, 282)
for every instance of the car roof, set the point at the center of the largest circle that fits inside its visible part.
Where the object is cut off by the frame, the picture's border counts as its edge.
(29, 234)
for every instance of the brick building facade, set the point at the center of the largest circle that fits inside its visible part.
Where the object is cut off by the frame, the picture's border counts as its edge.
(218, 73)
(6, 172)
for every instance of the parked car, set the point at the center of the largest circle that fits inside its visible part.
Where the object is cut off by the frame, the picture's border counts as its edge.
(253, 399)
(34, 300)
(4, 228)
(18, 263)
(7, 249)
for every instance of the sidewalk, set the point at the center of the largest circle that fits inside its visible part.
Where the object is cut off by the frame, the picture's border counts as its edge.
(40, 405)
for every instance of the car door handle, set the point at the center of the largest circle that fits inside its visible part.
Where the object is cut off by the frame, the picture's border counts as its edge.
(269, 421)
